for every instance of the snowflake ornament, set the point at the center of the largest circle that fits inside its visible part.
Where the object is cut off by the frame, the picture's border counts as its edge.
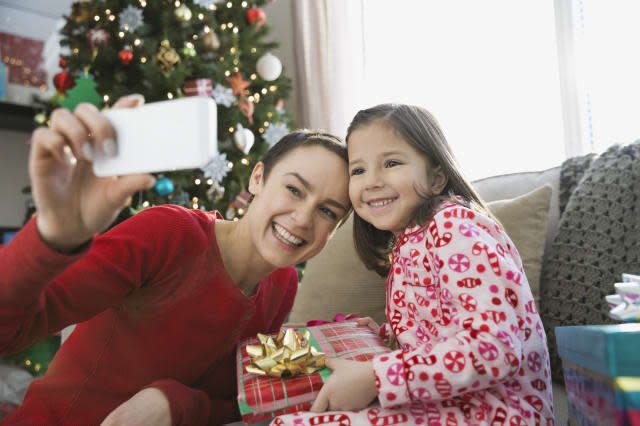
(130, 18)
(274, 133)
(223, 95)
(217, 168)
(206, 4)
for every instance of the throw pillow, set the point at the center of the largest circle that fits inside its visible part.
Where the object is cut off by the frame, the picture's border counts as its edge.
(335, 281)
(524, 219)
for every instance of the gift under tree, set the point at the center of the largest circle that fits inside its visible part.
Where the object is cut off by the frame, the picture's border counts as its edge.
(170, 49)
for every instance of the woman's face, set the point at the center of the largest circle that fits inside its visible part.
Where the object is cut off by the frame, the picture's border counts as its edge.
(297, 210)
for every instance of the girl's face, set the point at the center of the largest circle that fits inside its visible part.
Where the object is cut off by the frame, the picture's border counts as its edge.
(297, 210)
(385, 172)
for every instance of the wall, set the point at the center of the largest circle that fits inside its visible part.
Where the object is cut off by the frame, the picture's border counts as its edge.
(14, 176)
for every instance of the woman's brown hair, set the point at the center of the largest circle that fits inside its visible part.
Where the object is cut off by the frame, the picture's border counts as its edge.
(419, 128)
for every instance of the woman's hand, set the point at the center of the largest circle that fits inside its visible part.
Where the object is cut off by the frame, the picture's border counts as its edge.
(368, 322)
(351, 386)
(148, 407)
(72, 203)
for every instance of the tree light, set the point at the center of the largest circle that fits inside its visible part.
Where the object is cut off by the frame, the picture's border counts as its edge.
(197, 181)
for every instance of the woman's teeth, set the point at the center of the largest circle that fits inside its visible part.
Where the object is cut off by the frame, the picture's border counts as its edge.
(286, 237)
(380, 203)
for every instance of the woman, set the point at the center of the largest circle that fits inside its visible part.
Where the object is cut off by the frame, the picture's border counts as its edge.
(161, 299)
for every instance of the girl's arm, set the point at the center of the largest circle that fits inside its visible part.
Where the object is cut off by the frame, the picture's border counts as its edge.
(477, 302)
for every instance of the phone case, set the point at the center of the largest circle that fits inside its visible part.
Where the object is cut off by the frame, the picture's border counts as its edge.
(161, 136)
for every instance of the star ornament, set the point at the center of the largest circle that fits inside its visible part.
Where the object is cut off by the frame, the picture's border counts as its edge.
(237, 84)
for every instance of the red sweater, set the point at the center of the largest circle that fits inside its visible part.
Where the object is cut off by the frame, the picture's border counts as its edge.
(154, 307)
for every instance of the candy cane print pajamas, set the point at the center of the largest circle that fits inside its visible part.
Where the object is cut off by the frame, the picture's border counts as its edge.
(473, 350)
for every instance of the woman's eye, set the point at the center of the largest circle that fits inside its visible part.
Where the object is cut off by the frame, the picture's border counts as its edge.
(391, 163)
(357, 171)
(328, 212)
(293, 190)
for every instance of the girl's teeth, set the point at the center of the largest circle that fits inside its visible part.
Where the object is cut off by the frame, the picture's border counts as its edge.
(380, 203)
(285, 235)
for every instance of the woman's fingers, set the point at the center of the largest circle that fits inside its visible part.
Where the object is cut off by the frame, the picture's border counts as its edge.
(99, 128)
(129, 101)
(45, 142)
(72, 129)
(120, 189)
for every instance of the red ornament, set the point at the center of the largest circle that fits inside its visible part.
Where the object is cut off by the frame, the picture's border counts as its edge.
(63, 63)
(237, 83)
(63, 81)
(257, 16)
(125, 56)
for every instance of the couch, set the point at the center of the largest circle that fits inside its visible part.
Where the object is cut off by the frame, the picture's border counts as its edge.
(527, 205)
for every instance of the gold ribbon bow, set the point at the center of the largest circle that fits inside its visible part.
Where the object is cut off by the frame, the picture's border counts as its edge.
(288, 355)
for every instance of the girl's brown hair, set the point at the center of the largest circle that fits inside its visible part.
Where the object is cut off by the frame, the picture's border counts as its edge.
(420, 129)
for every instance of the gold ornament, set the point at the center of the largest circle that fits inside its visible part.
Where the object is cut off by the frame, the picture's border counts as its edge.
(167, 57)
(183, 13)
(79, 13)
(210, 41)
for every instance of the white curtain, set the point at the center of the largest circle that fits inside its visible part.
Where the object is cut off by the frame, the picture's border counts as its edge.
(329, 62)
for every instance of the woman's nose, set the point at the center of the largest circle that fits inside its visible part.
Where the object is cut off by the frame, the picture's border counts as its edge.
(303, 215)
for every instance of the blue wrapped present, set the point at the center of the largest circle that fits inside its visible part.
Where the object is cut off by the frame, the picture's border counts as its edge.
(601, 365)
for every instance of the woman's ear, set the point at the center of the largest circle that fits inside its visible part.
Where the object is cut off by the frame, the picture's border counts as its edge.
(439, 180)
(256, 180)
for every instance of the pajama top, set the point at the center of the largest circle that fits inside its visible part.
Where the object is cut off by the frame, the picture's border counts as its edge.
(154, 305)
(472, 346)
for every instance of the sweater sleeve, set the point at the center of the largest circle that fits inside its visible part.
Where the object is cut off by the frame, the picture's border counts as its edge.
(480, 343)
(42, 291)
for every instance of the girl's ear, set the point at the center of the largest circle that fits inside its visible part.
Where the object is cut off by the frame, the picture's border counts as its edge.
(439, 180)
(256, 179)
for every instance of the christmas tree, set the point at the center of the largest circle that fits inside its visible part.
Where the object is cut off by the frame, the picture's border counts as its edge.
(165, 50)
(169, 49)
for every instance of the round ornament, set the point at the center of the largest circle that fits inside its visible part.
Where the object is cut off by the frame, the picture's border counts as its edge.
(125, 56)
(163, 187)
(210, 41)
(183, 13)
(96, 37)
(63, 63)
(244, 139)
(256, 16)
(188, 51)
(269, 67)
(63, 81)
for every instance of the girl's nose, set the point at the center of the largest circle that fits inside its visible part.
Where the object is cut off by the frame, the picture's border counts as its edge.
(373, 180)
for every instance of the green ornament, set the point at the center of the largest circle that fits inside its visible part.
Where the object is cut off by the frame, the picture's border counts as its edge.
(188, 51)
(84, 91)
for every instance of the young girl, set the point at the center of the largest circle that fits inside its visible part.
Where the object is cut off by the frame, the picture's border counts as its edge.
(472, 346)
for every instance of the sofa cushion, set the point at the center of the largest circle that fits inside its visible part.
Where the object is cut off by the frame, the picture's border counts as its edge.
(336, 281)
(524, 218)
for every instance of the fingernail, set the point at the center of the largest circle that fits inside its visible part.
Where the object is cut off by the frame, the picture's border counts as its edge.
(71, 159)
(137, 97)
(87, 151)
(109, 147)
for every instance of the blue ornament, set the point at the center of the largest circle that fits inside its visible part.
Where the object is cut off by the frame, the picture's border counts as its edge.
(163, 187)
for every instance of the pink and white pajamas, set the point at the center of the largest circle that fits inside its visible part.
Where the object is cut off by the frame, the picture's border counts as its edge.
(473, 349)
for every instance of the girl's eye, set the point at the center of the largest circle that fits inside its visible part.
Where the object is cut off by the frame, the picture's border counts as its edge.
(329, 213)
(293, 190)
(391, 163)
(357, 171)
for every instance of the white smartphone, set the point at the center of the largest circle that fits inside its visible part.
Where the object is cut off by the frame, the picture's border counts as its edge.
(161, 136)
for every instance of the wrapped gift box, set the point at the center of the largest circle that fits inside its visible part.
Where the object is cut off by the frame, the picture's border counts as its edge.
(261, 398)
(601, 365)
